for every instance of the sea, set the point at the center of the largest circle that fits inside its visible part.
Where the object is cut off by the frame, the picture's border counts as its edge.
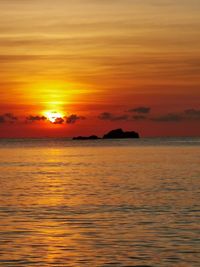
(100, 203)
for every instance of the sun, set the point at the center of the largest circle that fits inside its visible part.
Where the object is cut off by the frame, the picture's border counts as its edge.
(53, 116)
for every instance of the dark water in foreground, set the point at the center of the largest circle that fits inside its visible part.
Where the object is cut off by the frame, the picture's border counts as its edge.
(100, 203)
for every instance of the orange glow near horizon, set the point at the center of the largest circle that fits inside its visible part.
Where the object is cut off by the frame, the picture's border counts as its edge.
(88, 58)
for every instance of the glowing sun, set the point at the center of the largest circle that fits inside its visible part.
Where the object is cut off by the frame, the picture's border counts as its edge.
(53, 116)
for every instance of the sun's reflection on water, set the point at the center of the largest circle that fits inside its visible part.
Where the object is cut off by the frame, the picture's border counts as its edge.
(88, 206)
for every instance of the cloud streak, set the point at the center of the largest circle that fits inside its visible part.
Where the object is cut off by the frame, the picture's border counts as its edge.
(74, 118)
(186, 115)
(170, 117)
(35, 118)
(107, 116)
(139, 117)
(140, 110)
(8, 118)
(142, 113)
(58, 121)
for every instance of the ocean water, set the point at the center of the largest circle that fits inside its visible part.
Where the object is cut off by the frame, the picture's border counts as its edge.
(100, 203)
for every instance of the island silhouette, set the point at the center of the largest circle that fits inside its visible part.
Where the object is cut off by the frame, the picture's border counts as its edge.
(113, 134)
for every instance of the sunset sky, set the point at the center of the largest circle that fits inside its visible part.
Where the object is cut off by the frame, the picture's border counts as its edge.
(99, 65)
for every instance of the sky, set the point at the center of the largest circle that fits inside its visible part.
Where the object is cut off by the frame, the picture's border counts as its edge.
(99, 65)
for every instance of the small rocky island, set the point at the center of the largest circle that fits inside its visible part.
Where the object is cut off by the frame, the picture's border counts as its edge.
(114, 134)
(91, 137)
(119, 134)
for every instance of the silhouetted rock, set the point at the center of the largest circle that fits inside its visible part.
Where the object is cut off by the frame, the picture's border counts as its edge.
(92, 137)
(119, 133)
(114, 134)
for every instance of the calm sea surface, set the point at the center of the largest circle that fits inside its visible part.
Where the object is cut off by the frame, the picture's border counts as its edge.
(100, 203)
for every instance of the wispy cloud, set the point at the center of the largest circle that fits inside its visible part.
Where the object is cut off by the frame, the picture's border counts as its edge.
(186, 115)
(192, 113)
(143, 110)
(142, 113)
(58, 121)
(35, 118)
(74, 118)
(112, 117)
(138, 117)
(170, 117)
(8, 118)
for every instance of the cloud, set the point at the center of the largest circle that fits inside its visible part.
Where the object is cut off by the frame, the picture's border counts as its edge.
(112, 117)
(192, 113)
(59, 121)
(144, 110)
(170, 117)
(123, 117)
(8, 118)
(2, 119)
(35, 118)
(188, 114)
(139, 117)
(74, 118)
(142, 114)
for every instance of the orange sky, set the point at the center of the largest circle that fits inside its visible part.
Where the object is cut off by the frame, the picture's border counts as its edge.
(115, 63)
